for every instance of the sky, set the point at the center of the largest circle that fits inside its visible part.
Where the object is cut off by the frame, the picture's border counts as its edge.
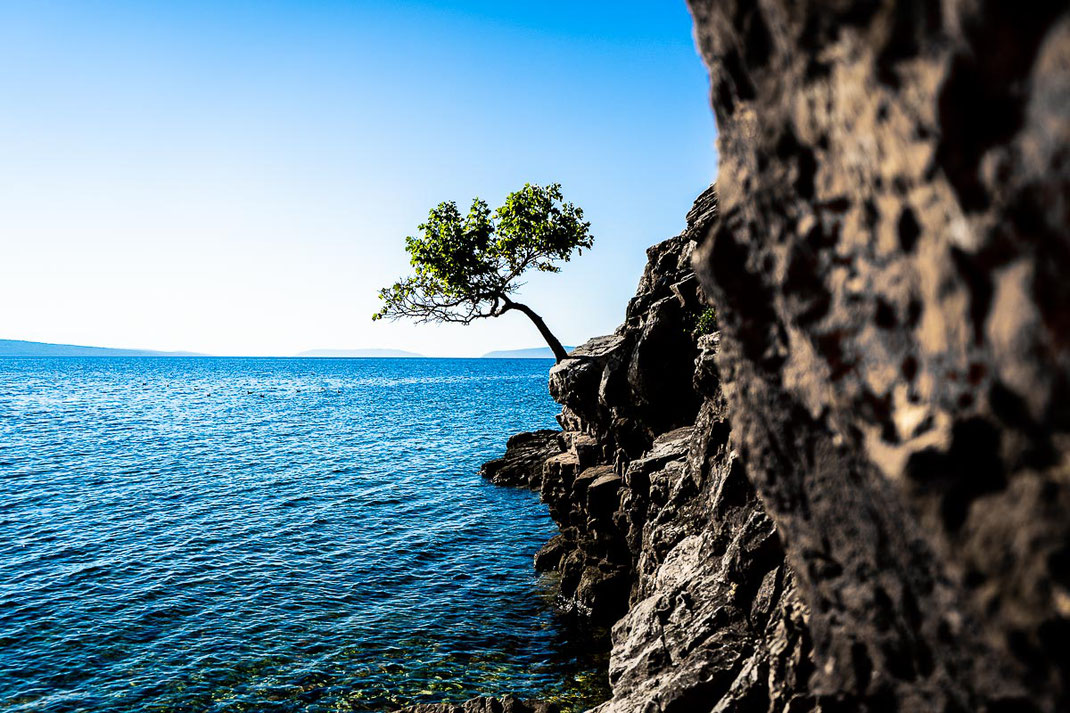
(238, 178)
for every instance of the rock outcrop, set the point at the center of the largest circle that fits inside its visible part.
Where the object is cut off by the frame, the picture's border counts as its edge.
(525, 453)
(628, 404)
(854, 495)
(662, 533)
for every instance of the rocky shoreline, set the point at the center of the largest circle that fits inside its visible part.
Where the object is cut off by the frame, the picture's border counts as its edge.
(853, 494)
(661, 534)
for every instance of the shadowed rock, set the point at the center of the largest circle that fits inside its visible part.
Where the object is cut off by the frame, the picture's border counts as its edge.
(889, 267)
(662, 533)
(525, 454)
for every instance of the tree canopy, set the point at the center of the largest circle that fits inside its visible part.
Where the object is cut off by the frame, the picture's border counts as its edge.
(467, 267)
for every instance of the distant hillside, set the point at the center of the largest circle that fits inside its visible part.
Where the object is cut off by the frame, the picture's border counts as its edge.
(536, 353)
(358, 353)
(19, 348)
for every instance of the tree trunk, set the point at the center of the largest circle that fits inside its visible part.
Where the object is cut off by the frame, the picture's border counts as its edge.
(555, 346)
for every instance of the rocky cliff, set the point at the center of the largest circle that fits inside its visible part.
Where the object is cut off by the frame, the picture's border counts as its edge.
(662, 534)
(853, 495)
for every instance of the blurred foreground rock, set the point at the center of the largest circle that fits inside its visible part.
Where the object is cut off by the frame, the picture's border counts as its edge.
(890, 265)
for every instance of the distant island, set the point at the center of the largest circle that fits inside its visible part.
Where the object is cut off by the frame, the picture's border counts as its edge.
(374, 353)
(534, 353)
(20, 348)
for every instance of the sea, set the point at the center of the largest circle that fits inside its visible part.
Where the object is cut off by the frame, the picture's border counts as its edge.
(233, 534)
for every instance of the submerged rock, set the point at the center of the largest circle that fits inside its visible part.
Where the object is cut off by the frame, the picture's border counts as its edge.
(508, 704)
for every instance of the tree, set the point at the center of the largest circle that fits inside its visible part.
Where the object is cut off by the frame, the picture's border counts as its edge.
(468, 267)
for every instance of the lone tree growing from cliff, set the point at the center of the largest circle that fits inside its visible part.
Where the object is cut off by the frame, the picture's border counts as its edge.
(467, 267)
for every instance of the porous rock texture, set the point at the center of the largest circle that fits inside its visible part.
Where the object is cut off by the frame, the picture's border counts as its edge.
(891, 268)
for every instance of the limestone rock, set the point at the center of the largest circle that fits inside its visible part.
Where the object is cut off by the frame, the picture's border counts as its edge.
(628, 402)
(889, 267)
(662, 533)
(522, 464)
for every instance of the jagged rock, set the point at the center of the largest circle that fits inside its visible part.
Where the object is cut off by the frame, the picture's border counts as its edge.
(714, 622)
(661, 531)
(889, 268)
(522, 464)
(508, 704)
(628, 400)
(549, 557)
(627, 388)
(576, 381)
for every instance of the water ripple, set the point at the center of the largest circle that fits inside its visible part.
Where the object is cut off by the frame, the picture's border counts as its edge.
(270, 535)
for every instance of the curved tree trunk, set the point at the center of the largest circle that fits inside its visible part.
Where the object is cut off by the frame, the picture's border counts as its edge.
(555, 346)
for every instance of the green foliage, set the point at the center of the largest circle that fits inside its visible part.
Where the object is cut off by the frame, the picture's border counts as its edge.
(705, 323)
(466, 266)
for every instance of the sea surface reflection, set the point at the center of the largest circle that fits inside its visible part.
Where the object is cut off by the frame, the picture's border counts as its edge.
(271, 535)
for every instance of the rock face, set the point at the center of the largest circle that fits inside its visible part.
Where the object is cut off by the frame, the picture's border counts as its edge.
(890, 269)
(854, 495)
(662, 533)
(628, 400)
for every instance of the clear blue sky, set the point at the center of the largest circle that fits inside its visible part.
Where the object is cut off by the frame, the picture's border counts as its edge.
(238, 177)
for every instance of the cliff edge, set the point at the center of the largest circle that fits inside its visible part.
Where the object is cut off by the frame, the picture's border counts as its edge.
(661, 533)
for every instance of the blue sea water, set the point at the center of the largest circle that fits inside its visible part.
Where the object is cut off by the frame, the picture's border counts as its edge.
(271, 535)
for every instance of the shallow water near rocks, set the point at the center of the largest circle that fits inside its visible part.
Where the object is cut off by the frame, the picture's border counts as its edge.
(272, 535)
